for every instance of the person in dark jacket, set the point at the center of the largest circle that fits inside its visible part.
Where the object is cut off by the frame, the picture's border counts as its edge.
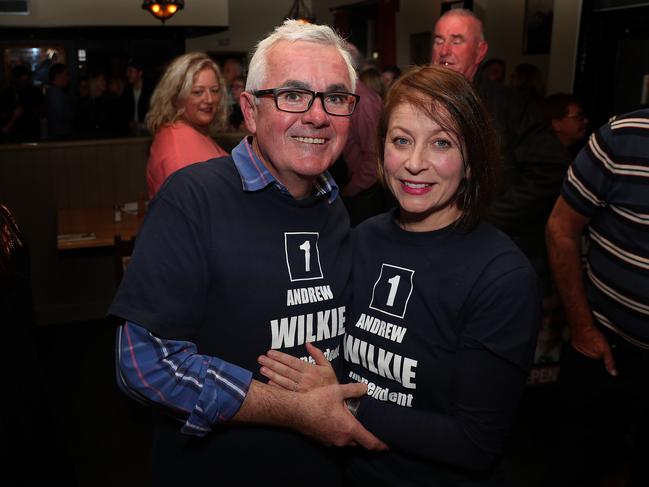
(533, 160)
(21, 106)
(135, 100)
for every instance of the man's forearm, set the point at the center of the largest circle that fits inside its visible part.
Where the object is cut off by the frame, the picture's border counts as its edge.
(200, 390)
(564, 254)
(203, 391)
(563, 235)
(265, 404)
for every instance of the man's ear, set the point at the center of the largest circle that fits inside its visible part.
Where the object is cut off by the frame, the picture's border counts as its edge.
(249, 109)
(483, 47)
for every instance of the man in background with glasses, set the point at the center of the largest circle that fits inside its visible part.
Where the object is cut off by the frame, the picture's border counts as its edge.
(244, 254)
(565, 115)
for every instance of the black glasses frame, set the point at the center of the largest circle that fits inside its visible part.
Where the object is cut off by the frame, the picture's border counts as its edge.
(314, 94)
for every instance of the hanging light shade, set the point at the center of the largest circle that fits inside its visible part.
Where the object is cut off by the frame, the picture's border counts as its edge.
(300, 12)
(163, 9)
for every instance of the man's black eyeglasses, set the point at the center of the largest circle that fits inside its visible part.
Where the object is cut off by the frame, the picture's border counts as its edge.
(580, 117)
(299, 100)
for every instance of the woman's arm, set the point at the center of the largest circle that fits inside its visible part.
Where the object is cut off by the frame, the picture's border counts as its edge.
(487, 391)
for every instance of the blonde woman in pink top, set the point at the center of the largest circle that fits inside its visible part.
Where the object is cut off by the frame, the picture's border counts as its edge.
(188, 104)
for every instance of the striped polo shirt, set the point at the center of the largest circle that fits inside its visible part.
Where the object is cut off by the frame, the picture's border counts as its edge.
(609, 183)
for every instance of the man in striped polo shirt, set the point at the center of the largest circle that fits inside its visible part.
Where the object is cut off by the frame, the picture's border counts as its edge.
(606, 300)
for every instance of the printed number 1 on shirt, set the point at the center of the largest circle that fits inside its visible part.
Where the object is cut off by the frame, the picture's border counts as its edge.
(306, 246)
(394, 285)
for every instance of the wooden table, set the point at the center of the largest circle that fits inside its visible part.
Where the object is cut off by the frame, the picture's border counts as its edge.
(81, 228)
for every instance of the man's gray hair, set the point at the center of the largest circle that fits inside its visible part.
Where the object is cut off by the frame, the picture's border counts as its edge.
(463, 12)
(293, 31)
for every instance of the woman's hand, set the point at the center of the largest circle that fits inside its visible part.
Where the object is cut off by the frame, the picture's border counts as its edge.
(297, 375)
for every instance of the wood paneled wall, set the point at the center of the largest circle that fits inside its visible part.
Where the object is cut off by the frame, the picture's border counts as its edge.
(37, 179)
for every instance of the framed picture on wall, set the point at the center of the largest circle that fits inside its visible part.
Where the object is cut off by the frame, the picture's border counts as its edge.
(537, 36)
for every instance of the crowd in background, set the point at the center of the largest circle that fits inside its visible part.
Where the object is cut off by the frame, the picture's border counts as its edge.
(93, 106)
(98, 105)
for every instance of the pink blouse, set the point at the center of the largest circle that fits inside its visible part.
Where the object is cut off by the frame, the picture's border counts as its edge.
(175, 146)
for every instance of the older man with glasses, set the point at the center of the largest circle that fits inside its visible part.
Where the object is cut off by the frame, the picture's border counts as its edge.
(240, 255)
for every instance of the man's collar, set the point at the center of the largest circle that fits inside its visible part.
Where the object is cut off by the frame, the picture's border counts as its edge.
(255, 175)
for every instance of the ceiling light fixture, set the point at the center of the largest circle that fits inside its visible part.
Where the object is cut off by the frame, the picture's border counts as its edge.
(301, 13)
(163, 9)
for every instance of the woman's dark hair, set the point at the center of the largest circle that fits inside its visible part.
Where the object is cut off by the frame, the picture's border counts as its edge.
(449, 99)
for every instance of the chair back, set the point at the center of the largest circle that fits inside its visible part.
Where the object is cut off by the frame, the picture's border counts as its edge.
(123, 252)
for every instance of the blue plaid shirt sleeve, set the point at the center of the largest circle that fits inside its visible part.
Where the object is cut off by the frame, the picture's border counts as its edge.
(198, 389)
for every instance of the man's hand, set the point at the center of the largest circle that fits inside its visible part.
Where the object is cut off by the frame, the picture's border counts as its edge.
(592, 343)
(323, 415)
(320, 413)
(321, 410)
(296, 375)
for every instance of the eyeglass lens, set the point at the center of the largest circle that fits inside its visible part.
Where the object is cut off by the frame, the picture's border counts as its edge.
(300, 101)
(577, 116)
